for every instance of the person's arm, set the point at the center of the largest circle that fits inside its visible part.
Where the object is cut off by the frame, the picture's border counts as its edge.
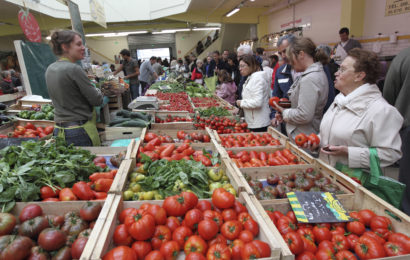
(307, 102)
(91, 93)
(392, 84)
(276, 92)
(256, 101)
(118, 70)
(136, 73)
(211, 69)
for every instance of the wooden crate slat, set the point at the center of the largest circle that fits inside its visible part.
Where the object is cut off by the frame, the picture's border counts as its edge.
(121, 177)
(115, 133)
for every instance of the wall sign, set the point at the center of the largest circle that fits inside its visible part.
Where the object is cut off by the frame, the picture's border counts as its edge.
(29, 25)
(305, 22)
(394, 7)
(317, 207)
(98, 13)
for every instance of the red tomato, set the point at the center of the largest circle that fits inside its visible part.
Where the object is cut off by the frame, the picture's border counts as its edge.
(121, 236)
(400, 238)
(394, 249)
(308, 245)
(326, 244)
(366, 215)
(195, 256)
(218, 251)
(231, 229)
(294, 241)
(170, 250)
(162, 234)
(48, 192)
(273, 99)
(222, 199)
(252, 226)
(285, 225)
(204, 205)
(126, 212)
(215, 216)
(219, 239)
(356, 227)
(382, 225)
(195, 244)
(249, 251)
(154, 255)
(368, 248)
(314, 139)
(175, 206)
(29, 212)
(246, 236)
(301, 139)
(229, 214)
(192, 218)
(352, 240)
(141, 248)
(306, 233)
(181, 234)
(141, 226)
(325, 254)
(208, 229)
(172, 223)
(120, 252)
(158, 213)
(345, 255)
(321, 233)
(306, 256)
(374, 236)
(340, 242)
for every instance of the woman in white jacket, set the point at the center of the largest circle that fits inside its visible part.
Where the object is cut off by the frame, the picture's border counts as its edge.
(255, 95)
(360, 117)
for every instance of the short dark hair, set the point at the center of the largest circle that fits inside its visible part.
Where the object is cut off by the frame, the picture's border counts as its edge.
(153, 58)
(344, 30)
(274, 57)
(366, 61)
(125, 52)
(251, 61)
(58, 38)
(224, 76)
(216, 52)
(260, 50)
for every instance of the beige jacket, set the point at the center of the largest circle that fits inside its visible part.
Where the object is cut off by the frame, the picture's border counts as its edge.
(308, 96)
(361, 120)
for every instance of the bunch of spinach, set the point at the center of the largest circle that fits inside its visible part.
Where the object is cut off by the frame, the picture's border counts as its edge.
(172, 177)
(216, 111)
(25, 169)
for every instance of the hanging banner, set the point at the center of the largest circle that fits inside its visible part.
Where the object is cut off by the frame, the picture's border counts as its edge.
(98, 13)
(29, 25)
(394, 7)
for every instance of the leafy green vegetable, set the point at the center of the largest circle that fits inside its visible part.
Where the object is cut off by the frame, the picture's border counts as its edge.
(25, 169)
(216, 111)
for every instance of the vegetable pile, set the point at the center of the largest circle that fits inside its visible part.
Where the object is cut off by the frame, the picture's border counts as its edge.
(31, 131)
(45, 113)
(196, 90)
(259, 159)
(125, 118)
(368, 236)
(182, 137)
(276, 186)
(247, 140)
(222, 125)
(215, 111)
(170, 119)
(222, 229)
(177, 102)
(25, 169)
(40, 236)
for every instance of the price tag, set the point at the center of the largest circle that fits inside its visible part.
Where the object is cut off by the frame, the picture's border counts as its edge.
(317, 207)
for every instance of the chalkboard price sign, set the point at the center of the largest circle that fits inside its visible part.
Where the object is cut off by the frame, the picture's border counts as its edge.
(317, 207)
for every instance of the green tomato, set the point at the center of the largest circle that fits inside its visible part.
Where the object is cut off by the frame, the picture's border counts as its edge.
(214, 186)
(229, 188)
(137, 196)
(128, 194)
(215, 175)
(158, 197)
(141, 170)
(135, 187)
(178, 186)
(224, 178)
(148, 195)
(138, 177)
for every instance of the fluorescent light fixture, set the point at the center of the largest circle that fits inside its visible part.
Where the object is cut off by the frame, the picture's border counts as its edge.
(114, 34)
(252, 0)
(234, 11)
(172, 31)
(206, 29)
(48, 37)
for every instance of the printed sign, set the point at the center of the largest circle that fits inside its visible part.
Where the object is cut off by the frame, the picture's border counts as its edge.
(98, 13)
(394, 7)
(317, 207)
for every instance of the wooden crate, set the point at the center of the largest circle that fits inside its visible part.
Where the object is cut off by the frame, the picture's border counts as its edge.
(106, 239)
(115, 133)
(173, 134)
(9, 128)
(115, 102)
(263, 172)
(363, 199)
(188, 125)
(60, 208)
(104, 150)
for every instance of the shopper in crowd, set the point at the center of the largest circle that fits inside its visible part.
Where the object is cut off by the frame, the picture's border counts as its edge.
(131, 72)
(268, 71)
(147, 73)
(274, 59)
(242, 51)
(7, 85)
(198, 74)
(225, 54)
(15, 78)
(345, 45)
(255, 95)
(112, 67)
(157, 67)
(179, 68)
(358, 118)
(259, 54)
(216, 35)
(208, 42)
(284, 77)
(216, 64)
(227, 87)
(72, 93)
(233, 67)
(199, 48)
(397, 92)
(165, 63)
(192, 63)
(331, 95)
(208, 64)
(173, 65)
(309, 92)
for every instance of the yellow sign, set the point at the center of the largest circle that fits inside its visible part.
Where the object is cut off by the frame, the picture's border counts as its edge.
(394, 7)
(98, 13)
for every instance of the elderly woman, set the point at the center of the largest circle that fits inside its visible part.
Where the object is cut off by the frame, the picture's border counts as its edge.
(198, 73)
(308, 93)
(6, 85)
(255, 95)
(359, 117)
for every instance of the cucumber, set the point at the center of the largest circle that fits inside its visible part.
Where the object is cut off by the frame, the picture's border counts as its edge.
(140, 115)
(133, 123)
(118, 120)
(124, 113)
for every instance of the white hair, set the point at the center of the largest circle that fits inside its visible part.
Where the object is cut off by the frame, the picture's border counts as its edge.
(199, 61)
(265, 63)
(246, 49)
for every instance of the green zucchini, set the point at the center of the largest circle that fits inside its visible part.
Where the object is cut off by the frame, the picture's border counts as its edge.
(124, 113)
(140, 115)
(118, 120)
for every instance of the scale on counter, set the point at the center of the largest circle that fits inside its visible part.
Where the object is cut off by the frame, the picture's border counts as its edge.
(144, 102)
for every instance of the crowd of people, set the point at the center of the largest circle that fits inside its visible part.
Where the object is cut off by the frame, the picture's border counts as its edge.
(10, 80)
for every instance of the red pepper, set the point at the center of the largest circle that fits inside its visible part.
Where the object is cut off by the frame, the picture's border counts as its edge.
(83, 191)
(103, 185)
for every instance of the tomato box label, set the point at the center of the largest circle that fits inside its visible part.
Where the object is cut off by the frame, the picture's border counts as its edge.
(317, 207)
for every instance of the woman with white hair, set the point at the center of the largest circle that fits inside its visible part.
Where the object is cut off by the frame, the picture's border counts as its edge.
(198, 74)
(7, 86)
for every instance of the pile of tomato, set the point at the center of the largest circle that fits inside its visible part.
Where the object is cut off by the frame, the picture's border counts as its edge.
(301, 139)
(169, 119)
(177, 101)
(96, 189)
(368, 236)
(182, 137)
(259, 159)
(222, 229)
(247, 140)
(40, 236)
(222, 125)
(30, 131)
(155, 151)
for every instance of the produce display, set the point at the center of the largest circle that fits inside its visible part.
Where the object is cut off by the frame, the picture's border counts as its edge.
(177, 101)
(30, 130)
(222, 125)
(4, 119)
(170, 119)
(46, 112)
(195, 90)
(42, 236)
(213, 111)
(276, 186)
(301, 139)
(125, 118)
(251, 139)
(27, 168)
(368, 236)
(223, 229)
(259, 159)
(182, 137)
(168, 86)
(200, 102)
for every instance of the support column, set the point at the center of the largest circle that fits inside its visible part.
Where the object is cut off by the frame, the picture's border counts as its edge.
(352, 16)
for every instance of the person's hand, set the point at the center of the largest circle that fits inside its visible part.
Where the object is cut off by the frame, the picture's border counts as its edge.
(274, 122)
(235, 111)
(278, 118)
(277, 107)
(238, 103)
(335, 150)
(310, 146)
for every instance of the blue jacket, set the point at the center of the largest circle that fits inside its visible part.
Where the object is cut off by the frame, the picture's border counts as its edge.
(283, 81)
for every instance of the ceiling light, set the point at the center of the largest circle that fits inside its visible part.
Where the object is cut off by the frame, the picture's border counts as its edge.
(48, 37)
(234, 11)
(252, 0)
(172, 31)
(114, 34)
(206, 29)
